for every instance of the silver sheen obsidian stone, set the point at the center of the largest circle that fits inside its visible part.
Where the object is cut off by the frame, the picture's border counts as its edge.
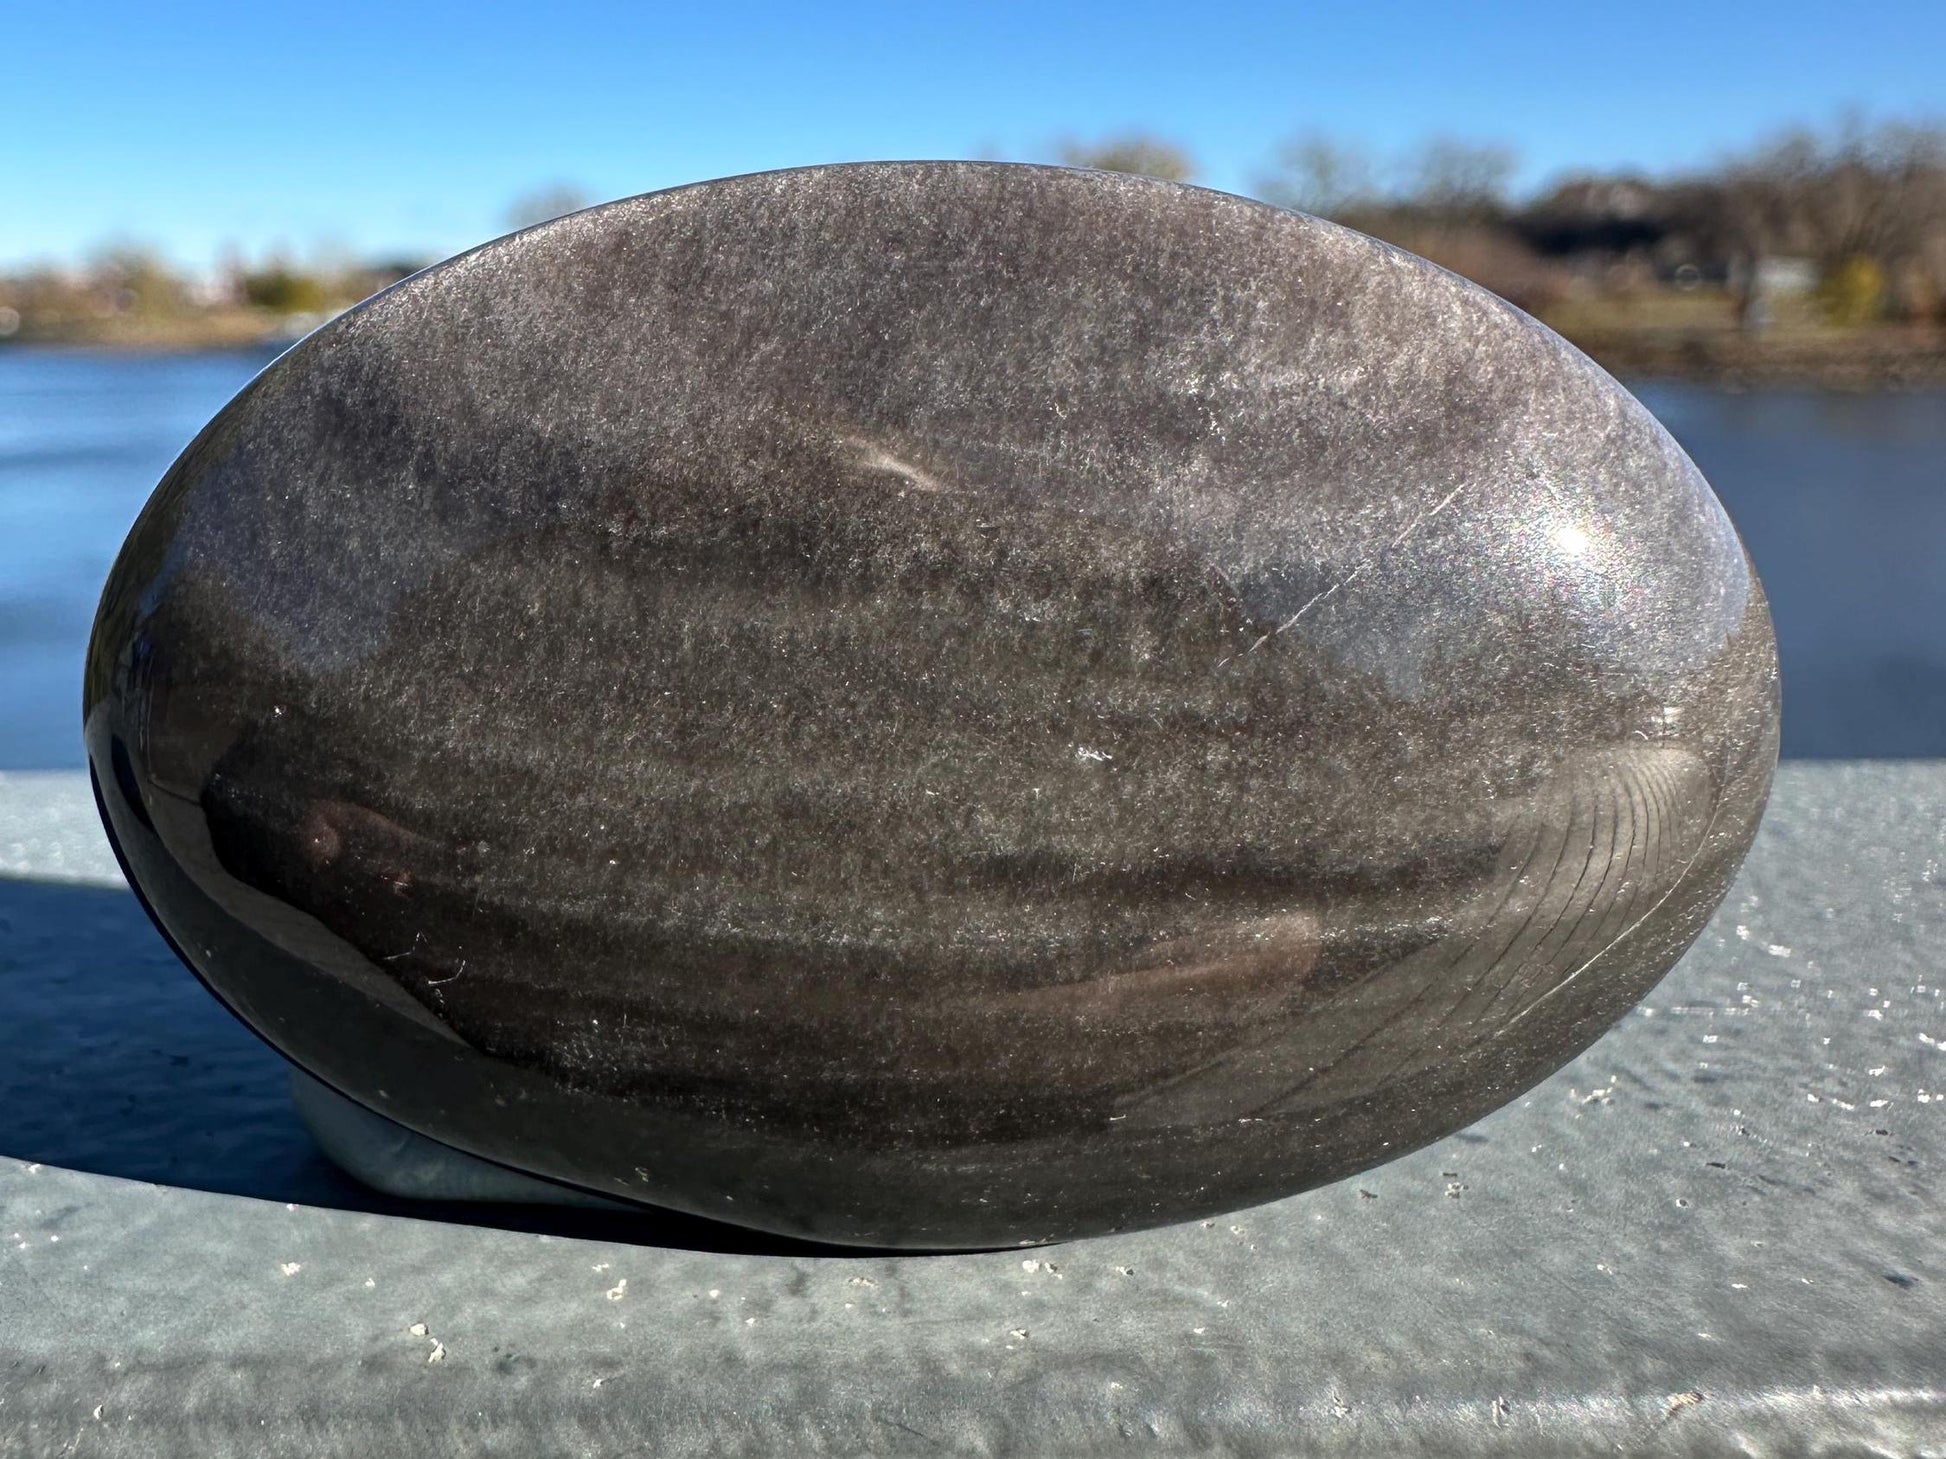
(933, 705)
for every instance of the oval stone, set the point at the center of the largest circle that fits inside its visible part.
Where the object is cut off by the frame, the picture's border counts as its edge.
(933, 705)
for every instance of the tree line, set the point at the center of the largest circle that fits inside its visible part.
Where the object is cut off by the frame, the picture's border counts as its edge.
(1849, 221)
(1856, 211)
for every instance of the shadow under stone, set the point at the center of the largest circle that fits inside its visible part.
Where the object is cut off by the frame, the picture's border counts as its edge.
(115, 1060)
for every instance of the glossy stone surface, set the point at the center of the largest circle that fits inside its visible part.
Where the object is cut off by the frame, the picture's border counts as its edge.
(933, 704)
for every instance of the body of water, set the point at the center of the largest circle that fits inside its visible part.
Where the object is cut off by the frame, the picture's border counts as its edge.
(1841, 498)
(84, 437)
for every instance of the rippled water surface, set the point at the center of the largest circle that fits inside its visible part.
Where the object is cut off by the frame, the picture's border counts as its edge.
(1841, 498)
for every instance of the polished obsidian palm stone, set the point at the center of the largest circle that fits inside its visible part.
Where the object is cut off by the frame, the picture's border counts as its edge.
(933, 704)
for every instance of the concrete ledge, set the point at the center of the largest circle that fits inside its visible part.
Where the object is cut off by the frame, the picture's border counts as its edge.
(1718, 1231)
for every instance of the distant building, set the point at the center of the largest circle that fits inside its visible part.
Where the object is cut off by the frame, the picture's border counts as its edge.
(1778, 278)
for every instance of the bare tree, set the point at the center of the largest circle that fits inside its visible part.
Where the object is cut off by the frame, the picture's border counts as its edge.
(545, 204)
(1455, 180)
(1140, 153)
(133, 278)
(1876, 193)
(1858, 194)
(1315, 173)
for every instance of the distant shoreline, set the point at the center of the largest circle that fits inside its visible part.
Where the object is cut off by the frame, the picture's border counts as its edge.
(204, 332)
(1885, 357)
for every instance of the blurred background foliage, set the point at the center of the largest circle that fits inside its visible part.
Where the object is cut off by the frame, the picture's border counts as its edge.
(1815, 253)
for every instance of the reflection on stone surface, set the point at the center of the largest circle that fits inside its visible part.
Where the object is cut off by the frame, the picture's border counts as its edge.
(933, 705)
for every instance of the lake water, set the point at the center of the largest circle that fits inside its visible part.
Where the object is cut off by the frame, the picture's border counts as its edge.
(1842, 499)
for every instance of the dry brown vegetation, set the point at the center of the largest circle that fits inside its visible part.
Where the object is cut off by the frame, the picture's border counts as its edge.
(1814, 255)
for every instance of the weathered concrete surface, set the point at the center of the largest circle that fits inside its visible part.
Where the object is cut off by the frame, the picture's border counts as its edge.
(1719, 1230)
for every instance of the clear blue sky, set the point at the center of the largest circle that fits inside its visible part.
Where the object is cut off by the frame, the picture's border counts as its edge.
(409, 128)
